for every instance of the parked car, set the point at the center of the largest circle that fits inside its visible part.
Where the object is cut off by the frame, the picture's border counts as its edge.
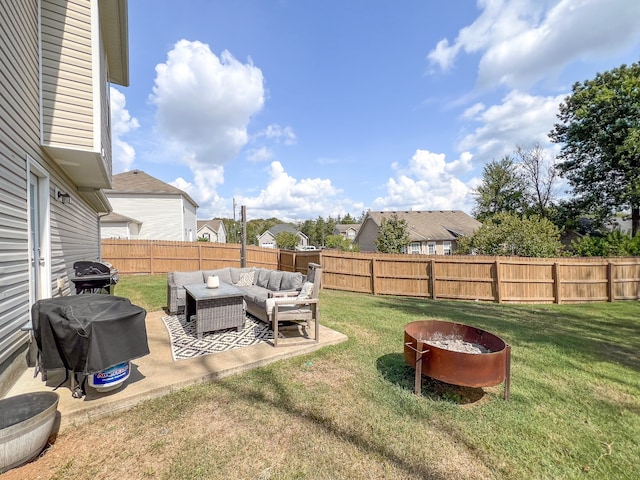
(305, 248)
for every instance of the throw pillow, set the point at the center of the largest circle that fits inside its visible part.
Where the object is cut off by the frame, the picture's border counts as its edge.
(246, 279)
(306, 291)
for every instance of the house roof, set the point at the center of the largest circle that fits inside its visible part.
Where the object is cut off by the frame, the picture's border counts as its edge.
(138, 182)
(114, 217)
(432, 225)
(212, 224)
(283, 227)
(343, 227)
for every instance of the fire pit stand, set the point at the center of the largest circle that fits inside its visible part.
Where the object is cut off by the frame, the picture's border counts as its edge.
(456, 367)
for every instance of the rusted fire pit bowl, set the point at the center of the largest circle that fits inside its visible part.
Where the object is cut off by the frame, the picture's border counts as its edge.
(457, 368)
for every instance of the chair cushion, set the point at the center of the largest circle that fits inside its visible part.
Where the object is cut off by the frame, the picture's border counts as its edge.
(291, 281)
(306, 291)
(187, 278)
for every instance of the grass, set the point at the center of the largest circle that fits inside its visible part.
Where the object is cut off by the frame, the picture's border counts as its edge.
(349, 411)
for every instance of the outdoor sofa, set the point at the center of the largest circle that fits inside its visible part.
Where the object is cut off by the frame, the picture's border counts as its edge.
(271, 296)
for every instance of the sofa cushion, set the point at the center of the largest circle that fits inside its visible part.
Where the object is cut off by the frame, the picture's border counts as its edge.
(275, 278)
(255, 294)
(261, 277)
(246, 279)
(291, 281)
(236, 272)
(224, 274)
(187, 278)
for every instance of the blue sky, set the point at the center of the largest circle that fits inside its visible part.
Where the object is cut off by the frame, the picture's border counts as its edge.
(301, 108)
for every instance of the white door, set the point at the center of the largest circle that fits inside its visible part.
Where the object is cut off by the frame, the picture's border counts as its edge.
(39, 245)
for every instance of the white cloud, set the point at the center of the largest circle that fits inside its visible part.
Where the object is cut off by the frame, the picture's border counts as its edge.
(203, 190)
(428, 182)
(205, 102)
(277, 133)
(290, 199)
(521, 119)
(262, 154)
(121, 123)
(522, 41)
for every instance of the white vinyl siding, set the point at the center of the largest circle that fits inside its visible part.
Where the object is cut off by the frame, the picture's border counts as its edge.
(161, 216)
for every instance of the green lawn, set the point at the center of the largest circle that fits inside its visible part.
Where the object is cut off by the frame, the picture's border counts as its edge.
(349, 411)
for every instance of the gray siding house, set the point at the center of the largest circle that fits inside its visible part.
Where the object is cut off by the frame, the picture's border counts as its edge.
(155, 209)
(57, 59)
(268, 238)
(430, 232)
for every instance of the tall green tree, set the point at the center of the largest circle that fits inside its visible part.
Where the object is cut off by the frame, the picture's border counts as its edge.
(539, 176)
(502, 189)
(393, 236)
(599, 130)
(508, 234)
(287, 240)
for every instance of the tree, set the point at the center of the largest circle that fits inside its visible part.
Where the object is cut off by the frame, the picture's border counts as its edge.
(539, 177)
(341, 243)
(599, 129)
(508, 234)
(502, 189)
(287, 240)
(393, 236)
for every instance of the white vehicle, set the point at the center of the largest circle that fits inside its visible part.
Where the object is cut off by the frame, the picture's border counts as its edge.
(306, 248)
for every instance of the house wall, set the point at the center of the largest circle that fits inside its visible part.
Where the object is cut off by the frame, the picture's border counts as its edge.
(161, 215)
(367, 236)
(67, 69)
(190, 222)
(69, 232)
(115, 230)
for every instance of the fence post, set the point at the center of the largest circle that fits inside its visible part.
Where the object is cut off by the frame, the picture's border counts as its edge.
(373, 276)
(610, 291)
(151, 257)
(199, 255)
(555, 273)
(498, 282)
(432, 278)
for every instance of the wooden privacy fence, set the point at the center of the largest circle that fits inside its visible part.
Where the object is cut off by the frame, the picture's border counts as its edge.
(496, 279)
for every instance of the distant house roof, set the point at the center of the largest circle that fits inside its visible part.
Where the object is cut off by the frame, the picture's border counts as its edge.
(212, 224)
(283, 227)
(138, 182)
(343, 227)
(432, 225)
(114, 217)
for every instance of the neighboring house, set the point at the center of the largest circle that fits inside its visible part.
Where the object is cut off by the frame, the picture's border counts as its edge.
(268, 238)
(57, 59)
(347, 230)
(119, 226)
(163, 212)
(212, 230)
(430, 232)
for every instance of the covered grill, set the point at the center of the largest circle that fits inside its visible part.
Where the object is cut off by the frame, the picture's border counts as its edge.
(94, 277)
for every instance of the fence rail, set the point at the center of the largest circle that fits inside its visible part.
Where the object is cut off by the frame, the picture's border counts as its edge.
(495, 279)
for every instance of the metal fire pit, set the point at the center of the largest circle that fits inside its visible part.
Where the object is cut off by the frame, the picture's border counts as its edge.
(450, 366)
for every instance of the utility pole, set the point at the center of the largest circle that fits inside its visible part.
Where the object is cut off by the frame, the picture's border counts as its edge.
(243, 248)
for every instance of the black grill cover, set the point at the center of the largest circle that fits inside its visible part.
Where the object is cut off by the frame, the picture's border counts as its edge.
(88, 333)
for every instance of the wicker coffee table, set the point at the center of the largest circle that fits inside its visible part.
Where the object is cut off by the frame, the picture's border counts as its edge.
(214, 308)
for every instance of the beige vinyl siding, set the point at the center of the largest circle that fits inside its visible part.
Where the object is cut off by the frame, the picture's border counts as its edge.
(73, 229)
(67, 69)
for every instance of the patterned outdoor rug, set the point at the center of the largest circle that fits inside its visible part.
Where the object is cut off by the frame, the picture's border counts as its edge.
(185, 343)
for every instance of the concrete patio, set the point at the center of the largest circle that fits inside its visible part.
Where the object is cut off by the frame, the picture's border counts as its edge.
(157, 374)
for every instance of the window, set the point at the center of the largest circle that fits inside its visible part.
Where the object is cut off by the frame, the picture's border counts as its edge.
(207, 236)
(446, 246)
(415, 248)
(431, 248)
